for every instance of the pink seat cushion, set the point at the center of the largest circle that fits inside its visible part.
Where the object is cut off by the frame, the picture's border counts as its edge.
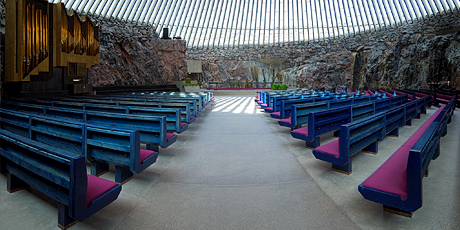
(441, 99)
(330, 148)
(263, 105)
(192, 117)
(96, 186)
(269, 108)
(170, 135)
(392, 175)
(287, 120)
(276, 113)
(182, 124)
(145, 154)
(303, 130)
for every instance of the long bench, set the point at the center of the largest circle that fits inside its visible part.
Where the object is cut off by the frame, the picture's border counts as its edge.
(397, 184)
(286, 105)
(275, 106)
(99, 144)
(324, 121)
(152, 129)
(57, 173)
(173, 115)
(299, 112)
(362, 134)
(188, 113)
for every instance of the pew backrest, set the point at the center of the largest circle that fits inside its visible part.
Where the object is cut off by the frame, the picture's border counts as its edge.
(58, 173)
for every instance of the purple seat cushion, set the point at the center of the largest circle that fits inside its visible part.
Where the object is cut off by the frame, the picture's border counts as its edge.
(303, 130)
(96, 186)
(192, 117)
(182, 124)
(269, 108)
(145, 154)
(276, 113)
(441, 99)
(263, 105)
(392, 175)
(170, 135)
(330, 148)
(287, 120)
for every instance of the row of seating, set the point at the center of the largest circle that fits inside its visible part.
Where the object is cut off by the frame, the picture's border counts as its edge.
(45, 145)
(363, 134)
(397, 184)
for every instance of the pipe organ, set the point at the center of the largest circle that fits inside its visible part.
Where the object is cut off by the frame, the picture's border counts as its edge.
(41, 35)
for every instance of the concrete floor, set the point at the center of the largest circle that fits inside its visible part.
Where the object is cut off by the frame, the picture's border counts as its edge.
(236, 168)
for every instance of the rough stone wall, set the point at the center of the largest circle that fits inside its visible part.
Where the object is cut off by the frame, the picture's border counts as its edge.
(133, 55)
(408, 56)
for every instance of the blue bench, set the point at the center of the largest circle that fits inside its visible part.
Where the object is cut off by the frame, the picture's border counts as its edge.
(152, 129)
(299, 112)
(173, 115)
(275, 106)
(188, 109)
(397, 184)
(99, 144)
(285, 107)
(362, 134)
(324, 121)
(57, 173)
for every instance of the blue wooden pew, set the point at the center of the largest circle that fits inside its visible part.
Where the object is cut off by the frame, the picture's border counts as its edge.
(362, 134)
(99, 144)
(276, 103)
(152, 129)
(59, 174)
(299, 112)
(397, 184)
(173, 115)
(188, 109)
(324, 121)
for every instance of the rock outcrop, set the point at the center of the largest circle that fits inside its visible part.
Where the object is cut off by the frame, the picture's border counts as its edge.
(134, 55)
(410, 56)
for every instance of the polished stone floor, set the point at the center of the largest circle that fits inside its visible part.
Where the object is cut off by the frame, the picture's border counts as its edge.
(236, 168)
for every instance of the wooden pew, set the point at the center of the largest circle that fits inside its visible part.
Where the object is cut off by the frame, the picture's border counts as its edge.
(99, 144)
(152, 129)
(173, 115)
(276, 103)
(362, 134)
(397, 184)
(324, 121)
(189, 111)
(57, 173)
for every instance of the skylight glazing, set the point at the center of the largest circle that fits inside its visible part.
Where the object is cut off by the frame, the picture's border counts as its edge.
(237, 23)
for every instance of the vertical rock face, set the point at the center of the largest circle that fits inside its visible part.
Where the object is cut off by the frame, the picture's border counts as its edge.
(410, 56)
(415, 61)
(134, 55)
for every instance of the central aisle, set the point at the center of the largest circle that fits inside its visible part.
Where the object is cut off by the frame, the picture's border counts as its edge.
(229, 170)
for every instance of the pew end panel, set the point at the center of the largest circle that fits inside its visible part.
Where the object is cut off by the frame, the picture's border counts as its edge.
(57, 173)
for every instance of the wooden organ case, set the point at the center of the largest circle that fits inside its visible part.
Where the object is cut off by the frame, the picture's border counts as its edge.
(48, 47)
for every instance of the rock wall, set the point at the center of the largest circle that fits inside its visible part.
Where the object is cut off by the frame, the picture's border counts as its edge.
(134, 55)
(409, 56)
